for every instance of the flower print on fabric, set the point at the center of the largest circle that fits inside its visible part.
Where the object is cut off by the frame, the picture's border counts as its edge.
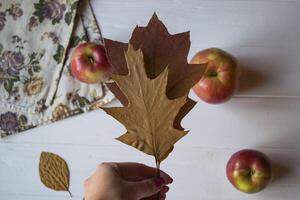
(12, 62)
(18, 68)
(15, 11)
(34, 86)
(49, 9)
(9, 122)
(2, 20)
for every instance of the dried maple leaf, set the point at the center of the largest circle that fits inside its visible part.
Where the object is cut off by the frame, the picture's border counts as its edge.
(150, 114)
(160, 49)
(54, 172)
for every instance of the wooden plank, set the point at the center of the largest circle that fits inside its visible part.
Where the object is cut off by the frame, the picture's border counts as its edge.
(199, 173)
(263, 35)
(242, 122)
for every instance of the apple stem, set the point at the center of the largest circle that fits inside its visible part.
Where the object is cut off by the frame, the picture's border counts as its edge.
(251, 173)
(92, 59)
(213, 74)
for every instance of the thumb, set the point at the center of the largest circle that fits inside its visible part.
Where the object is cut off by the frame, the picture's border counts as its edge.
(148, 187)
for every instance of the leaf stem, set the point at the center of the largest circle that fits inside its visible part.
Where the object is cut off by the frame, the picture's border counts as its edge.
(70, 194)
(157, 174)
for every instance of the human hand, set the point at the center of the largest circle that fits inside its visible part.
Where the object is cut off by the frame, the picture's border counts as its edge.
(126, 181)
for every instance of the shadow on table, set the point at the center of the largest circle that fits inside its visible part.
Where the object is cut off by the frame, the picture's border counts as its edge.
(280, 171)
(249, 79)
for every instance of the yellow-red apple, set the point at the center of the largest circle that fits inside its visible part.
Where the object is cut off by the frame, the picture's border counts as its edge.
(249, 171)
(220, 79)
(89, 63)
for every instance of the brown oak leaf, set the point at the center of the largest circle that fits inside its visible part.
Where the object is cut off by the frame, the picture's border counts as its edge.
(149, 115)
(160, 49)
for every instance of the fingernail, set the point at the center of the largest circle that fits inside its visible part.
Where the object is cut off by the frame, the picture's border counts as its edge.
(159, 182)
(165, 189)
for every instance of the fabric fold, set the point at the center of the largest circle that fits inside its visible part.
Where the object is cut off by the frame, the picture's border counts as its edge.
(36, 43)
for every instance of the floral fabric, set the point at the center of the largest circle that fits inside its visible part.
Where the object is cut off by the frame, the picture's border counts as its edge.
(37, 38)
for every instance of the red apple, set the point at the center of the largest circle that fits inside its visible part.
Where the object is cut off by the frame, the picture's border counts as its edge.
(250, 171)
(220, 80)
(89, 63)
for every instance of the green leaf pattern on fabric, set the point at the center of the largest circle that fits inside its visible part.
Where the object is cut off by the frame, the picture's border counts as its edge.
(1, 48)
(59, 53)
(68, 18)
(8, 85)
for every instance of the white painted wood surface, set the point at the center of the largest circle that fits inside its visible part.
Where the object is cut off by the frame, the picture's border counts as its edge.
(265, 114)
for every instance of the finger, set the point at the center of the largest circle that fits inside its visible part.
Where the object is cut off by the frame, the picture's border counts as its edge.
(162, 196)
(146, 188)
(138, 172)
(153, 197)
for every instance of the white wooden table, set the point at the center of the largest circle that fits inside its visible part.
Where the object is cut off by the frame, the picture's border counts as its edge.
(265, 114)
